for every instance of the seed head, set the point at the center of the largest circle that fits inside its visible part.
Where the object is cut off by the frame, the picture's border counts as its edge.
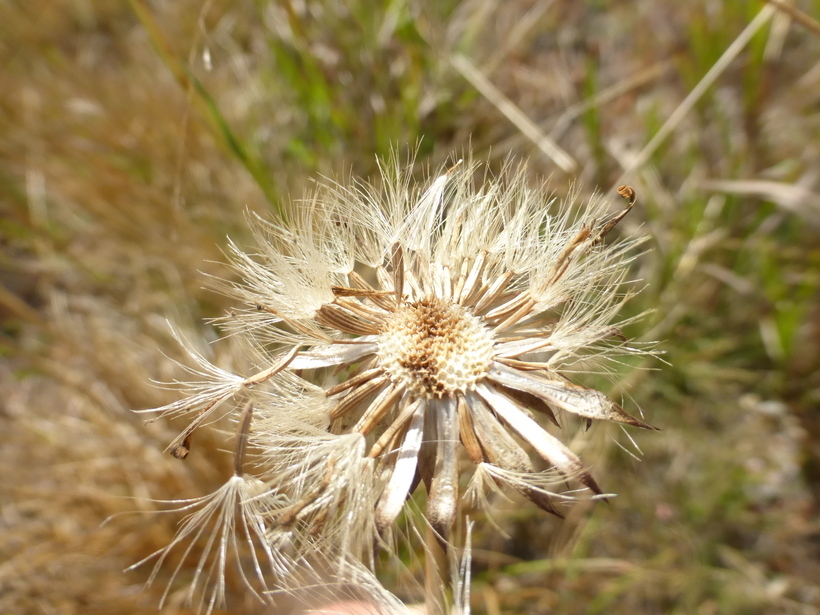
(433, 347)
(393, 329)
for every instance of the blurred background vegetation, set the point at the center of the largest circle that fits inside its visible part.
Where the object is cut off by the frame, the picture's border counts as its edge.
(134, 137)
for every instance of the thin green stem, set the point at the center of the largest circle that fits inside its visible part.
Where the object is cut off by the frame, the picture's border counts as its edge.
(207, 105)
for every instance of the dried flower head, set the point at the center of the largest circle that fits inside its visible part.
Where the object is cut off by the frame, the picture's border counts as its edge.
(391, 329)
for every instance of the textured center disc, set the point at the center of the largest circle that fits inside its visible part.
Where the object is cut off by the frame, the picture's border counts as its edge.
(434, 348)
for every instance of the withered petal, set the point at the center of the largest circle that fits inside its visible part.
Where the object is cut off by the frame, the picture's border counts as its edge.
(544, 443)
(574, 398)
(401, 480)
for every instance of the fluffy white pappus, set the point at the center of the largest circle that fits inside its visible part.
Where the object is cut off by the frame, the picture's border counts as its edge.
(289, 285)
(211, 386)
(288, 407)
(490, 479)
(226, 525)
(331, 491)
